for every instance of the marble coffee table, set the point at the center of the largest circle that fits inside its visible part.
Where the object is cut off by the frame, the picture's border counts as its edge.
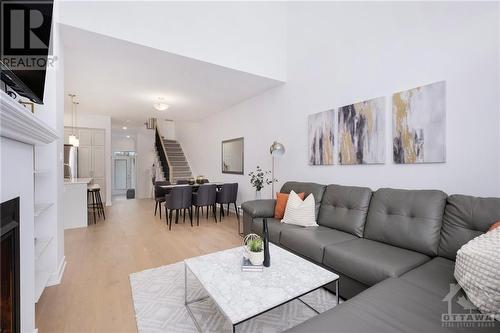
(240, 295)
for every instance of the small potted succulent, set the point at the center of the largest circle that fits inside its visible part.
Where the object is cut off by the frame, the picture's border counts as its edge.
(254, 249)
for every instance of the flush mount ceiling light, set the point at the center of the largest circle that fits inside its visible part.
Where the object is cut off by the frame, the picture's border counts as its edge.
(161, 105)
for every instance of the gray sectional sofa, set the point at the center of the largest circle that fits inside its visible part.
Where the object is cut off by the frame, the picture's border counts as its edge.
(394, 251)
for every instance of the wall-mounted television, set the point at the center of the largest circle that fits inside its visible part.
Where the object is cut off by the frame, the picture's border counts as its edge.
(25, 46)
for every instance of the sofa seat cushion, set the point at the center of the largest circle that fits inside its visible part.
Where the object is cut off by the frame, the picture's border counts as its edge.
(434, 276)
(391, 306)
(370, 262)
(310, 242)
(275, 227)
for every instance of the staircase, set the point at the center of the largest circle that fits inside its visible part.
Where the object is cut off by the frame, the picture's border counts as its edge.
(177, 160)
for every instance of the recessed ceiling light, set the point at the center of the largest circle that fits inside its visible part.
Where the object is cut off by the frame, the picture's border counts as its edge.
(124, 127)
(161, 105)
(128, 136)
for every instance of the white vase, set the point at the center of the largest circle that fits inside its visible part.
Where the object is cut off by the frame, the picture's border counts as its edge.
(256, 258)
(257, 195)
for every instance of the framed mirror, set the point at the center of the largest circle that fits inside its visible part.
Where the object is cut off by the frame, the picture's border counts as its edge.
(232, 156)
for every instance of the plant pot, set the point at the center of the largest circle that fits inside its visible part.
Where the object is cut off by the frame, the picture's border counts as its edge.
(256, 258)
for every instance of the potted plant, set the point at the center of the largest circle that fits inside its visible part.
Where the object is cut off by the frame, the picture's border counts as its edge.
(255, 249)
(260, 178)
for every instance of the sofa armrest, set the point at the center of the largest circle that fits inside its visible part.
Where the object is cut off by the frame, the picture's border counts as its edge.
(259, 208)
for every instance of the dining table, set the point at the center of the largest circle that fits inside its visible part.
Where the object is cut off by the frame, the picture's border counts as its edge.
(196, 185)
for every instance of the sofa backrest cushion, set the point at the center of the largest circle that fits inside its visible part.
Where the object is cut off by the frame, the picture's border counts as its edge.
(308, 188)
(409, 219)
(465, 218)
(345, 208)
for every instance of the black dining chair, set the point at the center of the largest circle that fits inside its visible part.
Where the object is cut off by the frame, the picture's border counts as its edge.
(205, 197)
(160, 193)
(180, 197)
(228, 195)
(182, 182)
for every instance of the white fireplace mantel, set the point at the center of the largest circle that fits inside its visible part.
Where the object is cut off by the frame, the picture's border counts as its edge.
(17, 123)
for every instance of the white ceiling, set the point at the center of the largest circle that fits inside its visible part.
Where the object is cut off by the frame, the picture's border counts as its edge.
(123, 80)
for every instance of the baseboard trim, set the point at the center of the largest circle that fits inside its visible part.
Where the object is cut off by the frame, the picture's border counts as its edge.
(56, 277)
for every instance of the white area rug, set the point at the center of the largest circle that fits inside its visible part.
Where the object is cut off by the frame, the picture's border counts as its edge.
(158, 296)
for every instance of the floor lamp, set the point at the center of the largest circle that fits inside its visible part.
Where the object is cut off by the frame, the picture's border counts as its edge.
(276, 149)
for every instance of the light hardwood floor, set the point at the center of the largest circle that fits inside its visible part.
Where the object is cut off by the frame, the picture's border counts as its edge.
(95, 294)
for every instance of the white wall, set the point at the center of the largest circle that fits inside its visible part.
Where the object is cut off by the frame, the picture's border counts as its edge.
(166, 128)
(145, 158)
(101, 122)
(340, 53)
(246, 36)
(120, 143)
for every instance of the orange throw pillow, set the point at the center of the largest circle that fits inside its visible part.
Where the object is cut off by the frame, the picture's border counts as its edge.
(493, 226)
(281, 200)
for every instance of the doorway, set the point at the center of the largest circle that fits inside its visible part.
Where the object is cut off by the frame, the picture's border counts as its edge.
(124, 173)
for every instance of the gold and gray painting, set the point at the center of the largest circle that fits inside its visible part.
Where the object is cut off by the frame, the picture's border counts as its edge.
(419, 124)
(361, 132)
(321, 137)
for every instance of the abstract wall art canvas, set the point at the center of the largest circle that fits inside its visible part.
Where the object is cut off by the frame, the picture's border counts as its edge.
(419, 124)
(361, 132)
(321, 137)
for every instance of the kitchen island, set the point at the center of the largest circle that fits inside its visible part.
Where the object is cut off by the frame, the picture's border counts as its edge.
(75, 202)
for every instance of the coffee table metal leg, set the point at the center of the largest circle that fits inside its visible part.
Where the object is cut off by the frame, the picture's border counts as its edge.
(186, 303)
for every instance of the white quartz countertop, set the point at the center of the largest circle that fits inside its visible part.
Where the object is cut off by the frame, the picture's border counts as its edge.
(70, 181)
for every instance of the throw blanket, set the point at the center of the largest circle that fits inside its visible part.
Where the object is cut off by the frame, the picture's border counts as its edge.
(477, 270)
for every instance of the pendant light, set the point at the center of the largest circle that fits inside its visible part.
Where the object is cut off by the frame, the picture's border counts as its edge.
(73, 139)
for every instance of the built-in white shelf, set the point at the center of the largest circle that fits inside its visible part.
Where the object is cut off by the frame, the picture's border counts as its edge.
(41, 279)
(41, 244)
(40, 208)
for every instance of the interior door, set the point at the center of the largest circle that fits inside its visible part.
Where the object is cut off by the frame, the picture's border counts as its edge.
(121, 174)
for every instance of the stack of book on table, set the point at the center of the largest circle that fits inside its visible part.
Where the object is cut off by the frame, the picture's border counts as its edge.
(246, 266)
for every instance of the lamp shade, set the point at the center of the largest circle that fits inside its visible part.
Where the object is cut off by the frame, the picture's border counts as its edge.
(277, 149)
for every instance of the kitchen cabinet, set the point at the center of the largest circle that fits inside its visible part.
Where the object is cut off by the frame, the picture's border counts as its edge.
(98, 162)
(98, 138)
(85, 136)
(85, 162)
(91, 155)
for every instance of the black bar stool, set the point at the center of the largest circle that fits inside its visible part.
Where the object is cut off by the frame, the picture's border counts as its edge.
(94, 195)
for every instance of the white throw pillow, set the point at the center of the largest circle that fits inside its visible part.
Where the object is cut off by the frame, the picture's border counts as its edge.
(300, 212)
